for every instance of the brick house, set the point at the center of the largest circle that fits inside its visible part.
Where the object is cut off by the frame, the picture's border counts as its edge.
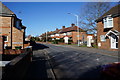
(11, 28)
(108, 27)
(70, 32)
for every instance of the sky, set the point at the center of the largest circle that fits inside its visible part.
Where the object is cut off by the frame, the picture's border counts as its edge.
(40, 17)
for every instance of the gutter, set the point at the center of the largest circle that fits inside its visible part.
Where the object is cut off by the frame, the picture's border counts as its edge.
(114, 15)
(7, 15)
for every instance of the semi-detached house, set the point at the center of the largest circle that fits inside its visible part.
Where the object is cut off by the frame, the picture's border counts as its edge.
(108, 28)
(11, 28)
(70, 33)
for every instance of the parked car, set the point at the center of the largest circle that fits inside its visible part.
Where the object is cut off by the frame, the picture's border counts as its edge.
(111, 71)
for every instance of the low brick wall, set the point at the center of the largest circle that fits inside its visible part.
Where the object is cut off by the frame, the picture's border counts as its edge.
(27, 43)
(17, 68)
(13, 51)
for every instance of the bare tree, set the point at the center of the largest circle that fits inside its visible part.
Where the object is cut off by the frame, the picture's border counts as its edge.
(90, 12)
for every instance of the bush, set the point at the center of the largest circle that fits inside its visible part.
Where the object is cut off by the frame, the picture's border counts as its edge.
(18, 47)
(61, 40)
(95, 46)
(55, 41)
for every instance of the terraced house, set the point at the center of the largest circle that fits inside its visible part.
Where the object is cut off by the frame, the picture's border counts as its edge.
(11, 28)
(68, 33)
(108, 28)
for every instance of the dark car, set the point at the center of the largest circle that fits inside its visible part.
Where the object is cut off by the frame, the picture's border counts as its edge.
(111, 71)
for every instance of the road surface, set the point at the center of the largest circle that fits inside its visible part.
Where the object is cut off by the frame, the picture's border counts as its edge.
(66, 63)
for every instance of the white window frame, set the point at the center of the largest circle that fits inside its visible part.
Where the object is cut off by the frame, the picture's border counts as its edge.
(107, 20)
(105, 23)
(69, 33)
(57, 34)
(64, 34)
(102, 38)
(52, 35)
(7, 39)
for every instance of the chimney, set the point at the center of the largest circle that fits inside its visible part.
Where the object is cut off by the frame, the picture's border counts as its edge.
(72, 25)
(63, 27)
(56, 28)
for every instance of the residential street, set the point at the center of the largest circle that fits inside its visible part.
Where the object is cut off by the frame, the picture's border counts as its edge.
(66, 62)
(72, 40)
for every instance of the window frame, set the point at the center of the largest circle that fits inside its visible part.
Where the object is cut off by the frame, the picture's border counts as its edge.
(7, 39)
(101, 38)
(107, 21)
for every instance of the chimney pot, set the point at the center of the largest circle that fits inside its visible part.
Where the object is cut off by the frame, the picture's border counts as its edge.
(72, 24)
(63, 27)
(56, 28)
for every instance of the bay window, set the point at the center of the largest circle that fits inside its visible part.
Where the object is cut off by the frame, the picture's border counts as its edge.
(108, 22)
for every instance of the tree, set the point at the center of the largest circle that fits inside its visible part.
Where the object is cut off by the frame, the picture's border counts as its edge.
(32, 39)
(90, 13)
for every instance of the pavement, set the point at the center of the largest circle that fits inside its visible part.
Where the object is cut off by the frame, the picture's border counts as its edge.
(95, 50)
(57, 62)
(40, 68)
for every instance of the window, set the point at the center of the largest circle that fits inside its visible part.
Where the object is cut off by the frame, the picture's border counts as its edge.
(83, 37)
(108, 22)
(105, 23)
(18, 24)
(64, 34)
(52, 35)
(57, 35)
(102, 38)
(78, 36)
(6, 38)
(69, 33)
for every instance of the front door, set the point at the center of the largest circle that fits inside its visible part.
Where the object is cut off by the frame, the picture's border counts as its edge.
(89, 39)
(66, 39)
(114, 41)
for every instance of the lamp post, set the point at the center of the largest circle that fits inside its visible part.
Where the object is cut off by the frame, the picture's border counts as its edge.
(46, 36)
(77, 26)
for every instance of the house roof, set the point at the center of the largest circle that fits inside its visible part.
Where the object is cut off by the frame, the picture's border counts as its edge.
(114, 12)
(23, 27)
(63, 30)
(68, 29)
(5, 10)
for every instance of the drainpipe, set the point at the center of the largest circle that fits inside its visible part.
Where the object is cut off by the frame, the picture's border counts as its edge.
(12, 24)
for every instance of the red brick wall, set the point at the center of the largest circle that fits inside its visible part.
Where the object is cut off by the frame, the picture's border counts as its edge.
(100, 31)
(17, 38)
(75, 38)
(17, 35)
(6, 28)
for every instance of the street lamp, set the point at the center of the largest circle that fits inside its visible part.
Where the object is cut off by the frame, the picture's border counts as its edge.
(46, 36)
(77, 26)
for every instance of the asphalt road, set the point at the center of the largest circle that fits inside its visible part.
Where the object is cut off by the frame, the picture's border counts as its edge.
(69, 63)
(63, 62)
